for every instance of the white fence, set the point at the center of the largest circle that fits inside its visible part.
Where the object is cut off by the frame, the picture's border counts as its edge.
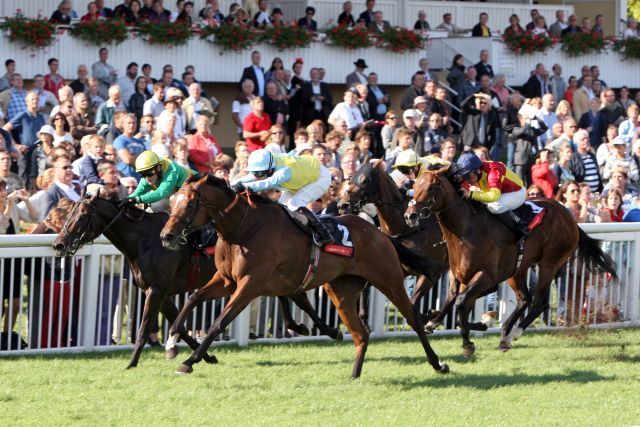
(88, 302)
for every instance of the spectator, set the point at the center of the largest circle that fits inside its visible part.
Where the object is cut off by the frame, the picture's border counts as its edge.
(53, 81)
(631, 32)
(525, 137)
(276, 64)
(619, 158)
(561, 168)
(172, 105)
(388, 131)
(598, 26)
(62, 15)
(81, 84)
(585, 71)
(239, 17)
(468, 87)
(95, 100)
(623, 98)
(557, 27)
(448, 25)
(595, 75)
(620, 181)
(597, 88)
(62, 187)
(536, 86)
(569, 129)
(139, 97)
(255, 73)
(203, 146)
(348, 165)
(128, 147)
(422, 24)
(103, 11)
(556, 84)
(61, 130)
(5, 81)
(13, 182)
(111, 181)
(408, 130)
(196, 105)
(316, 98)
(89, 162)
(307, 22)
(456, 75)
(586, 26)
(92, 15)
(378, 100)
(12, 100)
(104, 116)
(481, 122)
(158, 14)
(255, 128)
(628, 129)
(583, 163)
(549, 118)
(357, 76)
(514, 28)
(104, 73)
(241, 106)
(346, 18)
(571, 89)
(262, 19)
(573, 27)
(569, 196)
(416, 89)
(81, 121)
(185, 14)
(481, 29)
(540, 28)
(367, 17)
(276, 140)
(534, 15)
(348, 111)
(123, 10)
(434, 134)
(214, 7)
(127, 83)
(483, 68)
(379, 25)
(582, 96)
(46, 100)
(448, 150)
(611, 113)
(588, 122)
(274, 105)
(155, 105)
(543, 177)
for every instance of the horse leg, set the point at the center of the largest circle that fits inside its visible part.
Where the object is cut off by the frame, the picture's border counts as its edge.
(214, 289)
(171, 313)
(479, 285)
(152, 304)
(518, 285)
(363, 307)
(398, 297)
(437, 318)
(344, 292)
(303, 302)
(289, 323)
(540, 299)
(239, 301)
(423, 286)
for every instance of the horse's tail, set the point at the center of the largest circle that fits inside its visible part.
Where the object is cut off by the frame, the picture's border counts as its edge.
(415, 260)
(595, 259)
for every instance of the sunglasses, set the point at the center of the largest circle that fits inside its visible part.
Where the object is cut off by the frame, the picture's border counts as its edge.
(574, 191)
(406, 170)
(148, 174)
(260, 174)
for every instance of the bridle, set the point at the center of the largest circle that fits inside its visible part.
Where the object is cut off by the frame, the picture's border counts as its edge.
(365, 199)
(86, 237)
(187, 220)
(426, 208)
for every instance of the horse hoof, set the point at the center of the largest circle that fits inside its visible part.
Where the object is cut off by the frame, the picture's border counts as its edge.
(210, 359)
(131, 366)
(430, 327)
(337, 336)
(504, 346)
(171, 353)
(468, 350)
(444, 368)
(433, 314)
(301, 330)
(184, 369)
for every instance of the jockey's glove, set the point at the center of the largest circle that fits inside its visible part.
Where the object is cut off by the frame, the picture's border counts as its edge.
(128, 201)
(238, 187)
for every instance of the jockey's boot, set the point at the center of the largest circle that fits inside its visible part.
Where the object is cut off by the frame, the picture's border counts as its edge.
(320, 233)
(511, 220)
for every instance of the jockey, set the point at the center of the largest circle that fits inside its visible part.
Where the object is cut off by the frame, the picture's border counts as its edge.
(495, 185)
(160, 179)
(302, 179)
(409, 166)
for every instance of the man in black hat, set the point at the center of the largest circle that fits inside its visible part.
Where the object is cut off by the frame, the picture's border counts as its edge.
(358, 75)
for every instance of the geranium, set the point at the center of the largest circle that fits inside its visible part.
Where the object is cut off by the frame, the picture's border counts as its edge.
(528, 43)
(578, 44)
(287, 37)
(349, 38)
(101, 32)
(401, 40)
(231, 37)
(170, 33)
(35, 33)
(630, 48)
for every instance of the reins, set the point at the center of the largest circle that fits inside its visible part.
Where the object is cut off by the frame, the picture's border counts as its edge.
(77, 242)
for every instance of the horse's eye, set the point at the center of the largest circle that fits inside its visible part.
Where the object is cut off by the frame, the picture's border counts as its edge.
(190, 204)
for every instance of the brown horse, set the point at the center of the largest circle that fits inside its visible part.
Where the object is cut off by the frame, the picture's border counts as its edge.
(262, 252)
(371, 184)
(160, 272)
(483, 251)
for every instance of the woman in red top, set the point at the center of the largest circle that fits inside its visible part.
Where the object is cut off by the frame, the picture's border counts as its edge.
(573, 86)
(255, 128)
(203, 147)
(612, 211)
(543, 176)
(92, 15)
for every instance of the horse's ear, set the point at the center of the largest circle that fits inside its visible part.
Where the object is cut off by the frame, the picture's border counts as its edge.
(376, 163)
(84, 192)
(444, 170)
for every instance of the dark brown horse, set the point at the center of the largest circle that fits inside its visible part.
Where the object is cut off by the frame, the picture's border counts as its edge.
(262, 252)
(483, 251)
(160, 272)
(372, 184)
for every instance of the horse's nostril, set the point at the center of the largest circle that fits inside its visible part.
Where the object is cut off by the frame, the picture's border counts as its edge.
(58, 247)
(167, 237)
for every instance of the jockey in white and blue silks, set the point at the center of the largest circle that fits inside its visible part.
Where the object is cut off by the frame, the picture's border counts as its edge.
(302, 179)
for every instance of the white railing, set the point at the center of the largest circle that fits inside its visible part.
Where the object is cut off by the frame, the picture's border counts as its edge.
(94, 305)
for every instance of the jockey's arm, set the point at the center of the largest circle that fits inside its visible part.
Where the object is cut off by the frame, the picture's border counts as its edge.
(142, 188)
(489, 196)
(279, 177)
(165, 188)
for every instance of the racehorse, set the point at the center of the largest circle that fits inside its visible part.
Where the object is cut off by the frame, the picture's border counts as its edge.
(262, 252)
(483, 251)
(160, 272)
(371, 184)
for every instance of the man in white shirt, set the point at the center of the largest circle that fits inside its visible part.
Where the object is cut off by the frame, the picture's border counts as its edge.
(547, 115)
(155, 105)
(127, 83)
(347, 110)
(255, 73)
(447, 24)
(262, 18)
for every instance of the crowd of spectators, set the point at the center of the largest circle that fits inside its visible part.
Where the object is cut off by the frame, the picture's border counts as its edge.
(572, 138)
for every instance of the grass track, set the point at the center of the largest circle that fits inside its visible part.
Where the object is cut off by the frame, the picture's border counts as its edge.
(585, 379)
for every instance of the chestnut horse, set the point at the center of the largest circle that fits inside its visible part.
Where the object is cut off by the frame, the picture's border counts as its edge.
(483, 251)
(372, 184)
(262, 252)
(160, 272)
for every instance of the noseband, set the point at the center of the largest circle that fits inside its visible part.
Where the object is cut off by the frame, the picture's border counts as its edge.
(85, 237)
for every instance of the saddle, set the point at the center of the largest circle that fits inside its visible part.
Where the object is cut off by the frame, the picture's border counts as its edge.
(530, 214)
(340, 244)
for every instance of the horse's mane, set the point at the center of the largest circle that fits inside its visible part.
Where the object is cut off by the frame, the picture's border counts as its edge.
(221, 184)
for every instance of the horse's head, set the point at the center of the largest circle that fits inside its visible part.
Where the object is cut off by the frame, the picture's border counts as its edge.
(363, 188)
(428, 195)
(81, 227)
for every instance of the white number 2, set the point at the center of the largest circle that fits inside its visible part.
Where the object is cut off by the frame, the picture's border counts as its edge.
(345, 236)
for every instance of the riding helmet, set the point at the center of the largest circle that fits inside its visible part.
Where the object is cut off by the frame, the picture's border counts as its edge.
(260, 161)
(468, 162)
(407, 158)
(147, 160)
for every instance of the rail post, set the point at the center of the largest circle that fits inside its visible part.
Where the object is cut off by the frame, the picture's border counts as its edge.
(240, 330)
(90, 291)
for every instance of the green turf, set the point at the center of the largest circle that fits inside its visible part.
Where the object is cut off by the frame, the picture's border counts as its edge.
(585, 379)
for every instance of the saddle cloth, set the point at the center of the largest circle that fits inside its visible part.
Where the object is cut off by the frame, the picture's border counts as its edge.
(340, 244)
(530, 214)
